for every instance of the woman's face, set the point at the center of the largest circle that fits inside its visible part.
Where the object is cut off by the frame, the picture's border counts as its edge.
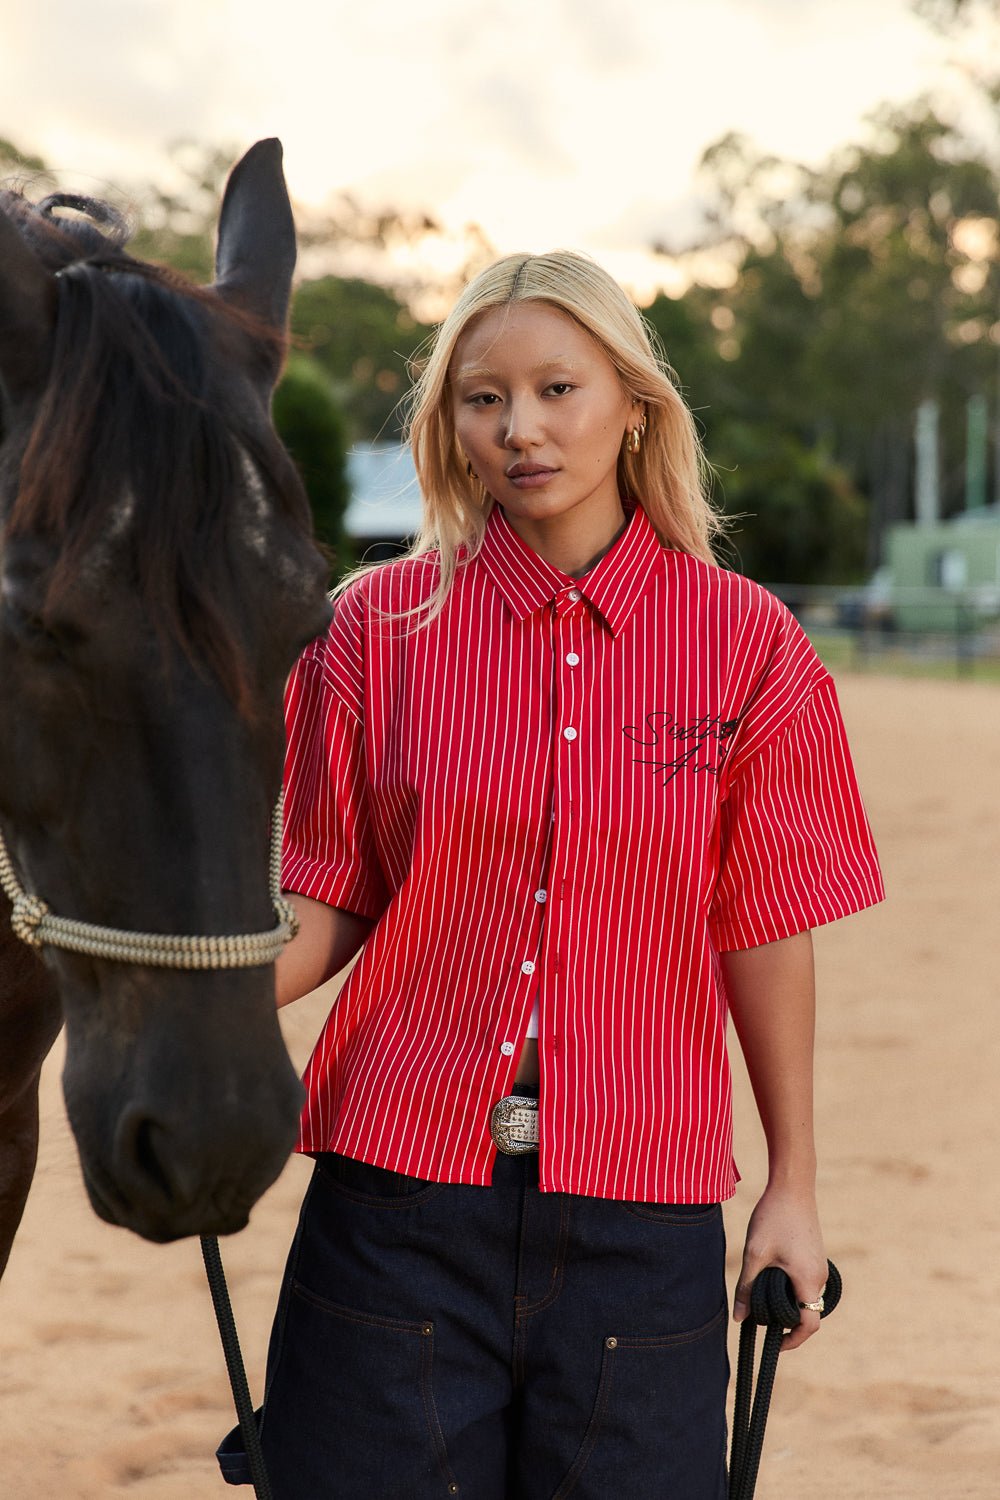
(540, 413)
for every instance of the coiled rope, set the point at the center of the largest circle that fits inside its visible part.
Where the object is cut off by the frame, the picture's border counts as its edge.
(33, 921)
(773, 1306)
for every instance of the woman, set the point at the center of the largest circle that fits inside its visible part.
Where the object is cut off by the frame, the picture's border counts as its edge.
(570, 790)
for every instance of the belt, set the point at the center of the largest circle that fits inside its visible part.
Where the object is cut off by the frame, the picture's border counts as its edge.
(514, 1125)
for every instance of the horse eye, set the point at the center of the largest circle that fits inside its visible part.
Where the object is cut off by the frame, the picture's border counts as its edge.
(24, 620)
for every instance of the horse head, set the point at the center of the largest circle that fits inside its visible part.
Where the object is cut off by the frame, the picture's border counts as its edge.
(157, 580)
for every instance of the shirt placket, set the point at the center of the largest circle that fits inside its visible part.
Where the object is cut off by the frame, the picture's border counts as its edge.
(568, 619)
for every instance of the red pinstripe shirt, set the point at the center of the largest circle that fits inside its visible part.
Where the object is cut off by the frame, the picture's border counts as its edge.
(584, 789)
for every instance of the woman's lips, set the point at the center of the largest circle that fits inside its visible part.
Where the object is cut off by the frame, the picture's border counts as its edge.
(530, 479)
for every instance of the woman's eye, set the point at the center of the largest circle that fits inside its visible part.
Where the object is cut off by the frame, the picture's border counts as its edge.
(482, 398)
(560, 387)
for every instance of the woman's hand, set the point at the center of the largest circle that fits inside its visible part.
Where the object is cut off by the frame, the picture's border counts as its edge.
(784, 1231)
(771, 997)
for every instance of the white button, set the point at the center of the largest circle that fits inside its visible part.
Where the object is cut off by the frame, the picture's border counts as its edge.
(507, 1048)
(569, 734)
(527, 967)
(572, 659)
(573, 594)
(541, 897)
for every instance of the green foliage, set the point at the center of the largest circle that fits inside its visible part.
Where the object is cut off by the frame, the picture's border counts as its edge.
(855, 292)
(363, 336)
(859, 290)
(893, 310)
(796, 517)
(361, 333)
(682, 327)
(311, 425)
(177, 226)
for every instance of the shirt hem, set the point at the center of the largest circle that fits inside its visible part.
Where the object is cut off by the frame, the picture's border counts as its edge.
(735, 936)
(719, 1192)
(343, 891)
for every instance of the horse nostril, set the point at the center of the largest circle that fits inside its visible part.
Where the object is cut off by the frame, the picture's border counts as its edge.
(138, 1154)
(146, 1156)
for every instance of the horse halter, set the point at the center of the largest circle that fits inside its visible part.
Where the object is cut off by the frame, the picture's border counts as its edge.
(35, 924)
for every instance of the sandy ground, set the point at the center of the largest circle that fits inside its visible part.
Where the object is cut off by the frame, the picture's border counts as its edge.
(111, 1377)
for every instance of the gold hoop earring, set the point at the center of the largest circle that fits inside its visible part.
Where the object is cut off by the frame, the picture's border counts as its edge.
(633, 438)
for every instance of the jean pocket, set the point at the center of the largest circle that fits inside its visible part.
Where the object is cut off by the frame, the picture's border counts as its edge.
(350, 1411)
(658, 1418)
(378, 1187)
(691, 1214)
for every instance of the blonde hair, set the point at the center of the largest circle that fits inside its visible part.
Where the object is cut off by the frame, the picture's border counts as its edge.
(668, 475)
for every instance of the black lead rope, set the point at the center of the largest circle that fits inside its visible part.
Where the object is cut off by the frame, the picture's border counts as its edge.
(234, 1364)
(773, 1305)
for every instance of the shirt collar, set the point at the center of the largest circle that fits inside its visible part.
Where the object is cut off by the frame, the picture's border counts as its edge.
(526, 581)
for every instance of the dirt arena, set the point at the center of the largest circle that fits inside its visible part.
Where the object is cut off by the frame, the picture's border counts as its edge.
(111, 1377)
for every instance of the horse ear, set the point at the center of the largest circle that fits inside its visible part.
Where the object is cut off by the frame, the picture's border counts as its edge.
(27, 313)
(256, 253)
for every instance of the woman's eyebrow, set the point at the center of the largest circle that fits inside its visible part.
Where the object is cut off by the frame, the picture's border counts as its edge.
(482, 372)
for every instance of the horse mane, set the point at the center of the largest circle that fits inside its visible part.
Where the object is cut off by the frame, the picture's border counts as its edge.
(135, 412)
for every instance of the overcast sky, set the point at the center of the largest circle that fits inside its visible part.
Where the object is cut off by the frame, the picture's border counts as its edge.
(549, 122)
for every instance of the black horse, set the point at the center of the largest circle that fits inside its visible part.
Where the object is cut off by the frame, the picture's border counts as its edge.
(157, 580)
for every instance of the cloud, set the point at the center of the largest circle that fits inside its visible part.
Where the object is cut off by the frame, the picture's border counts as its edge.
(548, 123)
(646, 220)
(508, 117)
(113, 84)
(606, 34)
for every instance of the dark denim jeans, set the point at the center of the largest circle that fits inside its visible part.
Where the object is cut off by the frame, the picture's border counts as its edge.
(497, 1343)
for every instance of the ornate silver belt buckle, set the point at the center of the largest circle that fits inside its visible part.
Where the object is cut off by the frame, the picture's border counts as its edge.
(514, 1125)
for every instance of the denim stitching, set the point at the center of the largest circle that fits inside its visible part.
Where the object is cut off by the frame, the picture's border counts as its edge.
(659, 1214)
(430, 1408)
(604, 1386)
(364, 1319)
(285, 1296)
(666, 1340)
(527, 1309)
(371, 1200)
(425, 1331)
(593, 1431)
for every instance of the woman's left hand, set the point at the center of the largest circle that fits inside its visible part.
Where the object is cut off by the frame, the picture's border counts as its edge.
(784, 1231)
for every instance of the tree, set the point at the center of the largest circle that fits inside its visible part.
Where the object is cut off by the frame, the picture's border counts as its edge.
(176, 227)
(856, 291)
(796, 517)
(683, 328)
(364, 338)
(312, 427)
(910, 288)
(362, 333)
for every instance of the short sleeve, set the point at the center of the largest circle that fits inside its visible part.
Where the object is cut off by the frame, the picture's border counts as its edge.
(796, 850)
(329, 849)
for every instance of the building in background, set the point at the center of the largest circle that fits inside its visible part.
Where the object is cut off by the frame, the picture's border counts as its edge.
(384, 510)
(944, 566)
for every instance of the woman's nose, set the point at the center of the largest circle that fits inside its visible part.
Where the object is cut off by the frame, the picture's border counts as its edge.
(520, 428)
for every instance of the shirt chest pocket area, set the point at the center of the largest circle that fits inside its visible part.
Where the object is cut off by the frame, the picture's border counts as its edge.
(671, 773)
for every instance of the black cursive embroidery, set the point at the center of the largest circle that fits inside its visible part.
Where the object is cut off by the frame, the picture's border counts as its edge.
(697, 741)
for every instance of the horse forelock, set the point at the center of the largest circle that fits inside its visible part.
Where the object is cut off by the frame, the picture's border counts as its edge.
(145, 411)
